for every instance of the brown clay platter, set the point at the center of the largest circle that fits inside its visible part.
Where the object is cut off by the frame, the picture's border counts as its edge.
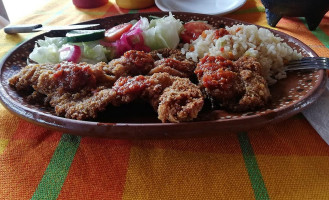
(290, 96)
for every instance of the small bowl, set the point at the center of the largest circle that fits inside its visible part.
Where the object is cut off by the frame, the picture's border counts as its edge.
(312, 10)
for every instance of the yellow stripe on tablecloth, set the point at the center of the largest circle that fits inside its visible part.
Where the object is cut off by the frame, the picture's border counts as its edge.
(74, 15)
(11, 40)
(295, 177)
(3, 145)
(8, 123)
(250, 12)
(169, 174)
(35, 18)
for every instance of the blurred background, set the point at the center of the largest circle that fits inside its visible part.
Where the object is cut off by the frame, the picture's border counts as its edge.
(16, 9)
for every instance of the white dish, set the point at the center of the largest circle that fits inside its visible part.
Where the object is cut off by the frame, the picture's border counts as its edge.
(210, 7)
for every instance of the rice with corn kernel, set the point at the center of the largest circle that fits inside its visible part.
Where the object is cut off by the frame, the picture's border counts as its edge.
(249, 40)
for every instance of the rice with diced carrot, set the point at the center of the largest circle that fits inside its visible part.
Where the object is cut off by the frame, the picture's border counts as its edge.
(249, 40)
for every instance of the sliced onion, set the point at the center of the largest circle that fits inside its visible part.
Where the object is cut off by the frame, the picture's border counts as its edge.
(71, 53)
(130, 40)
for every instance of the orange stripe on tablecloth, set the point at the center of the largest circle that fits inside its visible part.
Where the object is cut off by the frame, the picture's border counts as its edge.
(287, 138)
(248, 7)
(295, 177)
(224, 142)
(168, 174)
(22, 166)
(105, 162)
(115, 10)
(324, 25)
(29, 131)
(254, 18)
(295, 27)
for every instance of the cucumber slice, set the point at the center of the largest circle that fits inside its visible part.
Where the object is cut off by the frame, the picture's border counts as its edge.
(84, 35)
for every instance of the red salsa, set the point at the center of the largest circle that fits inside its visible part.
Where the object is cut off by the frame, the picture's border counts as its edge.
(130, 85)
(215, 72)
(72, 77)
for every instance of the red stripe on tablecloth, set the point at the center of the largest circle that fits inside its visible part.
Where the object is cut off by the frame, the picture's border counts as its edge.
(106, 162)
(29, 131)
(150, 9)
(290, 137)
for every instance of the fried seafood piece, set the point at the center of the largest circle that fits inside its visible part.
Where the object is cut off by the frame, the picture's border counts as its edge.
(168, 53)
(257, 93)
(175, 99)
(81, 91)
(237, 86)
(81, 105)
(28, 77)
(173, 62)
(248, 63)
(125, 90)
(174, 67)
(45, 79)
(182, 101)
(132, 63)
(135, 62)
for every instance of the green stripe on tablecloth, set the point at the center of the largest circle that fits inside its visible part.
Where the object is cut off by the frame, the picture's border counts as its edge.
(132, 11)
(254, 173)
(58, 168)
(96, 13)
(321, 35)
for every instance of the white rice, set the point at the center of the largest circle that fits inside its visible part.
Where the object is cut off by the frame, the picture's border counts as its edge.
(269, 50)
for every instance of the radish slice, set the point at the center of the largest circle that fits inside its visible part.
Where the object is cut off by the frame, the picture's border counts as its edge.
(71, 53)
(130, 40)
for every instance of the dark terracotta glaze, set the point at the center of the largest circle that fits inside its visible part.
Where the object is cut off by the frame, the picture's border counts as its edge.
(290, 96)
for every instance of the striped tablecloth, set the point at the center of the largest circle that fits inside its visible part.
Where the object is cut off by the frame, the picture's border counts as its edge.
(285, 160)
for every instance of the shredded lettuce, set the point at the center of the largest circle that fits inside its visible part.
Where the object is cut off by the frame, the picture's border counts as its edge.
(57, 41)
(93, 52)
(47, 51)
(163, 32)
